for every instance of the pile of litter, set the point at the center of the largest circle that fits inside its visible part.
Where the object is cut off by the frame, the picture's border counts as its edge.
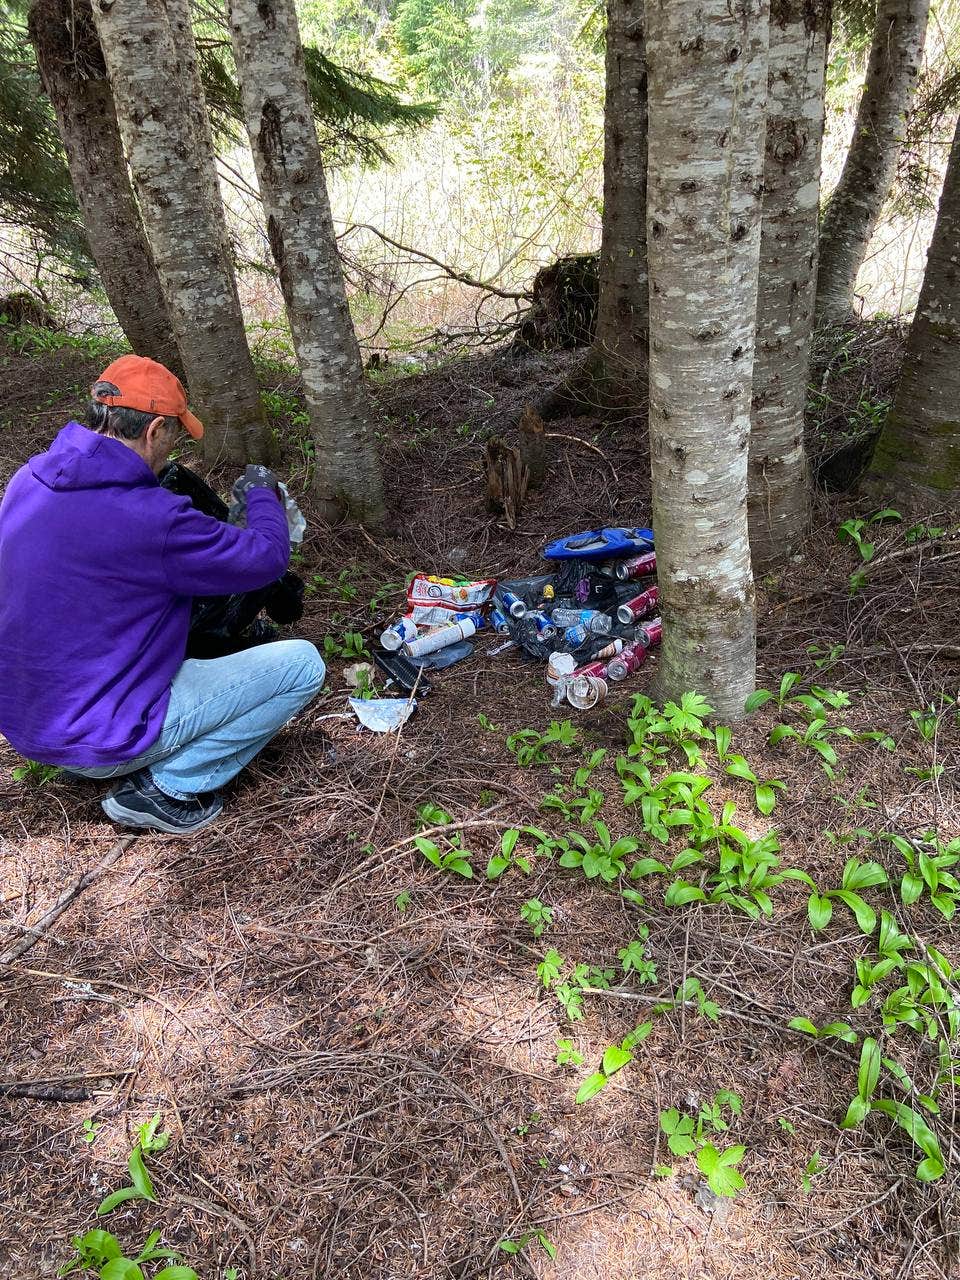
(590, 618)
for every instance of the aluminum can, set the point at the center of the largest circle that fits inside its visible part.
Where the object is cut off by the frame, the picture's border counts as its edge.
(513, 604)
(633, 610)
(498, 620)
(598, 669)
(638, 567)
(653, 631)
(545, 628)
(624, 664)
(398, 634)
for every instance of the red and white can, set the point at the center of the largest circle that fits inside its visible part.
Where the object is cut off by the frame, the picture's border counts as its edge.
(637, 608)
(638, 567)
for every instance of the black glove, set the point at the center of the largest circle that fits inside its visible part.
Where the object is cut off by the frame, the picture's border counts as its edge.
(255, 477)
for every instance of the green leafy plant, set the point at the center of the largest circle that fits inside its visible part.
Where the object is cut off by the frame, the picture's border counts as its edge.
(615, 1058)
(857, 876)
(854, 531)
(720, 1168)
(537, 916)
(634, 958)
(507, 857)
(350, 646)
(581, 809)
(928, 862)
(583, 774)
(567, 1055)
(530, 747)
(150, 1141)
(604, 857)
(101, 1252)
(836, 1030)
(90, 1131)
(520, 1242)
(691, 991)
(454, 858)
(402, 901)
(35, 774)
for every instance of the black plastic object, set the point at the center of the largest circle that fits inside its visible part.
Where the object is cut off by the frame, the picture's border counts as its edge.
(403, 671)
(226, 624)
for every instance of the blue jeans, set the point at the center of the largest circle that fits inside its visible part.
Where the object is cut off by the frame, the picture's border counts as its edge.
(222, 712)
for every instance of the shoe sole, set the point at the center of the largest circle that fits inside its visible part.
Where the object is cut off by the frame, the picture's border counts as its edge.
(117, 812)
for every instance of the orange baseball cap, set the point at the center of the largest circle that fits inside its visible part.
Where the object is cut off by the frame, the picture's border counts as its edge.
(148, 386)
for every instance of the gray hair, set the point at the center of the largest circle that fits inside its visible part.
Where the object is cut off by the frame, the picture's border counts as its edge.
(118, 420)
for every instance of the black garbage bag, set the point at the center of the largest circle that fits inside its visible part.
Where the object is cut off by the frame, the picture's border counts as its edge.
(226, 624)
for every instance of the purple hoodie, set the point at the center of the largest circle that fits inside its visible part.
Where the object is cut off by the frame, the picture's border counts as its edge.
(98, 565)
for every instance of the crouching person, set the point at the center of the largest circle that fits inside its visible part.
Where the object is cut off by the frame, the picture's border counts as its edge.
(98, 568)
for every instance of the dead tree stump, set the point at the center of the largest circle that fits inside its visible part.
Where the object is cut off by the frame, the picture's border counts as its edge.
(507, 479)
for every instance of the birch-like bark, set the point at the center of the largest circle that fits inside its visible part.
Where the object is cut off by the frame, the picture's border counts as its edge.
(707, 91)
(148, 47)
(623, 313)
(868, 172)
(917, 459)
(75, 79)
(779, 482)
(283, 135)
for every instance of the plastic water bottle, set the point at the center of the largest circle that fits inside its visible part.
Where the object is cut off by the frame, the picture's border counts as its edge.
(599, 624)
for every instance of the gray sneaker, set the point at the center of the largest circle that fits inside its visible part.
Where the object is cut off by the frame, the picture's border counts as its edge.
(137, 801)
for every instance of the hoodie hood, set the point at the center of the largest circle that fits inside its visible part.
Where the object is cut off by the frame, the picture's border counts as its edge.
(82, 459)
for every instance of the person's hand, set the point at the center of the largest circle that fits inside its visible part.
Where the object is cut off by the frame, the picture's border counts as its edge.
(255, 477)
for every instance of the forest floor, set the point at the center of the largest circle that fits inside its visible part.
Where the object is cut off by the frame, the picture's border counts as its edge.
(353, 1052)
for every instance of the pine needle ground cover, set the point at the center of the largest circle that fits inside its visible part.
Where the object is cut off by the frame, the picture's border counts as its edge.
(692, 1013)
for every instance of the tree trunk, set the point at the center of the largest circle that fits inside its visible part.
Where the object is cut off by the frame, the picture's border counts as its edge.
(779, 482)
(283, 135)
(75, 79)
(614, 371)
(148, 47)
(871, 163)
(708, 81)
(917, 459)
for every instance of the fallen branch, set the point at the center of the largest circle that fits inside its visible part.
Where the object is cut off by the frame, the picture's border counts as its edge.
(35, 932)
(557, 435)
(461, 276)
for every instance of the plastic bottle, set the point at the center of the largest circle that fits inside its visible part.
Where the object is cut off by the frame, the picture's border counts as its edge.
(599, 624)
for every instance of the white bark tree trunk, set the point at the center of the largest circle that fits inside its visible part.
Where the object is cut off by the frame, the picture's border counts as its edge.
(707, 90)
(283, 135)
(871, 163)
(75, 78)
(779, 480)
(148, 48)
(917, 459)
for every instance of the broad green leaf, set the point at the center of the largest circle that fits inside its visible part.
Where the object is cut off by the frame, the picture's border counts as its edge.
(462, 868)
(865, 915)
(614, 1058)
(497, 866)
(102, 1243)
(681, 1144)
(804, 1025)
(509, 1246)
(176, 1272)
(840, 1031)
(110, 1202)
(680, 893)
(125, 1269)
(862, 875)
(646, 867)
(911, 887)
(737, 767)
(766, 798)
(856, 1113)
(591, 1087)
(509, 842)
(869, 1072)
(781, 731)
(429, 850)
(719, 1168)
(757, 699)
(819, 911)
